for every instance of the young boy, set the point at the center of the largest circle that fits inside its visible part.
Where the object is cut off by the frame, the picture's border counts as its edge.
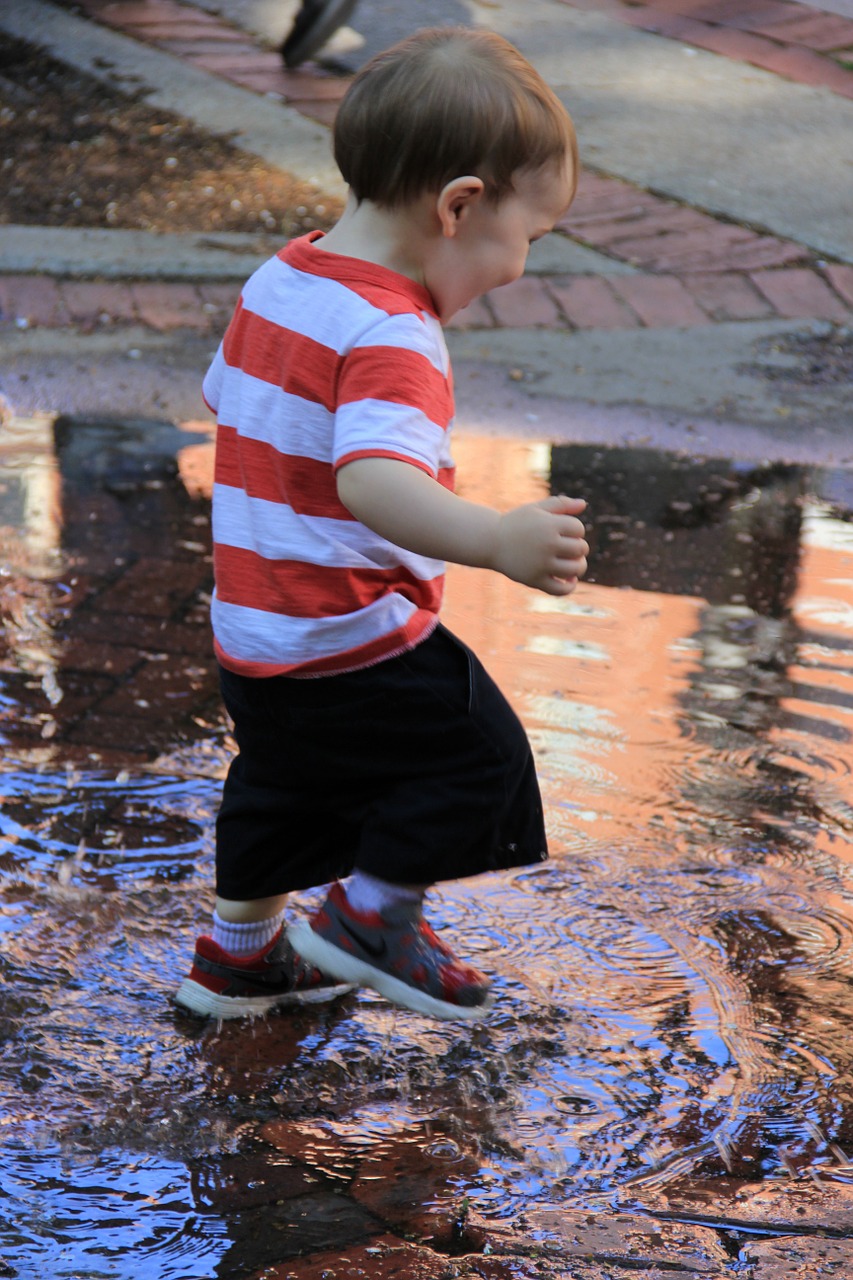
(371, 742)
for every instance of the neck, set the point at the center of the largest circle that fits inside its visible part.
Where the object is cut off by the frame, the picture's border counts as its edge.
(391, 238)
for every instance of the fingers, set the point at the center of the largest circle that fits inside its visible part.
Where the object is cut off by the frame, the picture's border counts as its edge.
(559, 586)
(562, 503)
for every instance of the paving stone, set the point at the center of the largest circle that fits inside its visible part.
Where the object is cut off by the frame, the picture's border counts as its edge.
(382, 1258)
(475, 316)
(228, 1184)
(228, 62)
(797, 293)
(818, 31)
(840, 276)
(323, 112)
(589, 303)
(35, 300)
(737, 44)
(89, 302)
(807, 67)
(746, 255)
(94, 656)
(168, 306)
(523, 303)
(799, 1258)
(268, 1235)
(727, 296)
(778, 1206)
(219, 297)
(141, 11)
(186, 28)
(636, 1241)
(152, 587)
(208, 42)
(730, 11)
(659, 301)
(411, 1191)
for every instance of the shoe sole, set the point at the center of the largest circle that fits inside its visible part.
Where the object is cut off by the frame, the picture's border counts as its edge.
(197, 999)
(347, 968)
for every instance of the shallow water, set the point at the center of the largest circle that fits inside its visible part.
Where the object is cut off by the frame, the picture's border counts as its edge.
(674, 985)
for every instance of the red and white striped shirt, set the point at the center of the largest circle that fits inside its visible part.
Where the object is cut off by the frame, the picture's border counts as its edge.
(326, 359)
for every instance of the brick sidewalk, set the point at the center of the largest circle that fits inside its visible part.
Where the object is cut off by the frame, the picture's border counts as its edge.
(691, 268)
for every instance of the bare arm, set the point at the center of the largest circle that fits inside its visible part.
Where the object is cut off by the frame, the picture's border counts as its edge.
(540, 544)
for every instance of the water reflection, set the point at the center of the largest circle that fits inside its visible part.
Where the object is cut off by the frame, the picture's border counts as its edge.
(674, 989)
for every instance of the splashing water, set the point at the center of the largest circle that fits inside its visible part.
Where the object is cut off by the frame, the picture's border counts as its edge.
(673, 985)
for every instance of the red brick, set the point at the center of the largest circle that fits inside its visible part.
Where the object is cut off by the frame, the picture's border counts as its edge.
(219, 297)
(302, 86)
(807, 67)
(475, 316)
(226, 63)
(732, 12)
(323, 112)
(664, 221)
(796, 292)
(595, 6)
(204, 45)
(91, 655)
(713, 251)
(621, 203)
(659, 301)
(588, 302)
(820, 31)
(35, 299)
(154, 32)
(753, 255)
(671, 252)
(727, 296)
(168, 306)
(133, 11)
(684, 7)
(732, 43)
(841, 279)
(89, 300)
(673, 26)
(524, 302)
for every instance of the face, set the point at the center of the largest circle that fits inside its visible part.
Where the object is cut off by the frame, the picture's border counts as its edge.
(485, 245)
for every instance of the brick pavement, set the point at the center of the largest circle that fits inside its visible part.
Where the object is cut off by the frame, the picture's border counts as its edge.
(692, 268)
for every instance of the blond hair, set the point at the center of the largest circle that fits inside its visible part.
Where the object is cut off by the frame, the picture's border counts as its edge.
(445, 103)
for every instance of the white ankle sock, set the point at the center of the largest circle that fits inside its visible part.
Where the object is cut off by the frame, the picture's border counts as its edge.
(245, 939)
(369, 893)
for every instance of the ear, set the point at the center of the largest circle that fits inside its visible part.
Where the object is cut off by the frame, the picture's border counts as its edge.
(456, 200)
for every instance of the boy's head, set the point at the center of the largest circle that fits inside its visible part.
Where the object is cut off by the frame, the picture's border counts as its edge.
(443, 103)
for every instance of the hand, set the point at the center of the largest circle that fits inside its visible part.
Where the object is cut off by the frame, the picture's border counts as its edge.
(542, 545)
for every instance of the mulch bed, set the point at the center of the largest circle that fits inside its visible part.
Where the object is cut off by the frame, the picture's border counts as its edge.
(78, 153)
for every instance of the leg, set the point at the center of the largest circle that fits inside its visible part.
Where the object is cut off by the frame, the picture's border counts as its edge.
(315, 24)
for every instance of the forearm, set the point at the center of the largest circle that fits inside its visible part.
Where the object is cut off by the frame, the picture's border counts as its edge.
(410, 509)
(540, 544)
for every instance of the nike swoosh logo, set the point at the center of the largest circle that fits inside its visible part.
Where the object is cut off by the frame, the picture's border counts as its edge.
(377, 951)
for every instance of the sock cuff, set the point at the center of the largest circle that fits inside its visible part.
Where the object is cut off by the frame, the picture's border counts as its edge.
(245, 938)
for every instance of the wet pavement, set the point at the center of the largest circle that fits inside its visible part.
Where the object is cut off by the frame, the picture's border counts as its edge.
(664, 1083)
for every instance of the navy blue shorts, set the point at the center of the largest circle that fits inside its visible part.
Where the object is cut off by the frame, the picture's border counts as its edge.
(414, 770)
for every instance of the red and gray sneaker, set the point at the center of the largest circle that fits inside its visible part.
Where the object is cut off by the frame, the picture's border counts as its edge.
(224, 986)
(396, 953)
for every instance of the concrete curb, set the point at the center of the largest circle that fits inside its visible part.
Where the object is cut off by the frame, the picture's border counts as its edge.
(137, 255)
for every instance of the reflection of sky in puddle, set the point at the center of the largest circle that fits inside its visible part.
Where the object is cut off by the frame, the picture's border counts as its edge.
(673, 985)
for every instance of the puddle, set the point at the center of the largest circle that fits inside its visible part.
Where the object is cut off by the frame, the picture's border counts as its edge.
(674, 990)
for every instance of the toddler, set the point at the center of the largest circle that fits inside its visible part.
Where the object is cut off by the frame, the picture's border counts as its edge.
(372, 745)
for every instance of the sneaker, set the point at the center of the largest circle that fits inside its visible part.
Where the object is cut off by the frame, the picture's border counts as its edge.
(222, 986)
(315, 24)
(396, 953)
